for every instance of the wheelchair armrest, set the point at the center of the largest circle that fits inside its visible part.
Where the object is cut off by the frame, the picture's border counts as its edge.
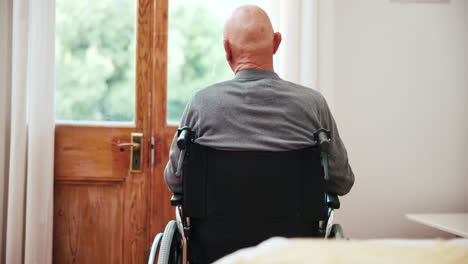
(333, 201)
(176, 199)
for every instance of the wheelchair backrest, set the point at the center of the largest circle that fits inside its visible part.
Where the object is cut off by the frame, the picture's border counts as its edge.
(253, 184)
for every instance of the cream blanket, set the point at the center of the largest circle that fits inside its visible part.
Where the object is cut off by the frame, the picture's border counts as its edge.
(281, 250)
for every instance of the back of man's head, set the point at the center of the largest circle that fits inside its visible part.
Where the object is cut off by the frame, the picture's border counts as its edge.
(249, 39)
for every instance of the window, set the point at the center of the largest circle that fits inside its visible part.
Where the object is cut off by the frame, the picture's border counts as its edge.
(95, 60)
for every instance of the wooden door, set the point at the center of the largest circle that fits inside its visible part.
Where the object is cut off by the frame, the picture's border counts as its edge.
(102, 212)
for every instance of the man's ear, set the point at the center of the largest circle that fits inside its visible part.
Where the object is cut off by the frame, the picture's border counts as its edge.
(227, 49)
(276, 41)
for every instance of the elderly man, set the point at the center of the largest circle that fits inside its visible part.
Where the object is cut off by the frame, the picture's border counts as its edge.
(257, 110)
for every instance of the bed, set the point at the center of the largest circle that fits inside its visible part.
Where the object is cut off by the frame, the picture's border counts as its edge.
(282, 250)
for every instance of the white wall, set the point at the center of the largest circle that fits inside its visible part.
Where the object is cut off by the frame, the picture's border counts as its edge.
(400, 98)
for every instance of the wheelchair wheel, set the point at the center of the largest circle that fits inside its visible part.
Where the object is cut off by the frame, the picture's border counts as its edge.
(169, 251)
(336, 232)
(154, 248)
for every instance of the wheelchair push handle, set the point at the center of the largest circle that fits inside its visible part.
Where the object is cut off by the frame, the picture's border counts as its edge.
(183, 138)
(322, 137)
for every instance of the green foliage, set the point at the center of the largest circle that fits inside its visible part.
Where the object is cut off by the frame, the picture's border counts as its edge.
(95, 57)
(195, 54)
(95, 60)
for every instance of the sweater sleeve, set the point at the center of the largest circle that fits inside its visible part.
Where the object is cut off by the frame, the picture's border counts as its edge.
(174, 183)
(341, 175)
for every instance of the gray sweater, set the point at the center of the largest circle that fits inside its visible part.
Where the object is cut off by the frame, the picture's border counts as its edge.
(257, 110)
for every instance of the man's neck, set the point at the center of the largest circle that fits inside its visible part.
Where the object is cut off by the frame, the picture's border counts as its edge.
(249, 62)
(251, 66)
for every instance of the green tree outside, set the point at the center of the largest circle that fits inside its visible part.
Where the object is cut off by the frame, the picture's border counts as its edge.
(95, 60)
(95, 56)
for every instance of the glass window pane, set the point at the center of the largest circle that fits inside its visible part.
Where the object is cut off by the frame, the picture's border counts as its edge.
(195, 49)
(95, 60)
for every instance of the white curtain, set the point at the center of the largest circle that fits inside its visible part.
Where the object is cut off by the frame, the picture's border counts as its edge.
(296, 59)
(27, 30)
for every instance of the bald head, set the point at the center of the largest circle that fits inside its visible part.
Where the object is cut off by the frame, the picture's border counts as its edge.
(249, 39)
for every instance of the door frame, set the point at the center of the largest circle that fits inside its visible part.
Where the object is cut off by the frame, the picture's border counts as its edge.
(162, 133)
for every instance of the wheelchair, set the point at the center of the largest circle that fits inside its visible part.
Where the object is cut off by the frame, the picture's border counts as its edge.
(237, 199)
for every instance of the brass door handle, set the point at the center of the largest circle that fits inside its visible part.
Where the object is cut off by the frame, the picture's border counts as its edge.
(136, 152)
(133, 145)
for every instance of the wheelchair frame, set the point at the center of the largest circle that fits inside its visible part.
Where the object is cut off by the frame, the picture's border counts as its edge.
(168, 250)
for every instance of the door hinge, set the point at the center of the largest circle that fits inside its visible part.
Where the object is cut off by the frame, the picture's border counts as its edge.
(152, 151)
